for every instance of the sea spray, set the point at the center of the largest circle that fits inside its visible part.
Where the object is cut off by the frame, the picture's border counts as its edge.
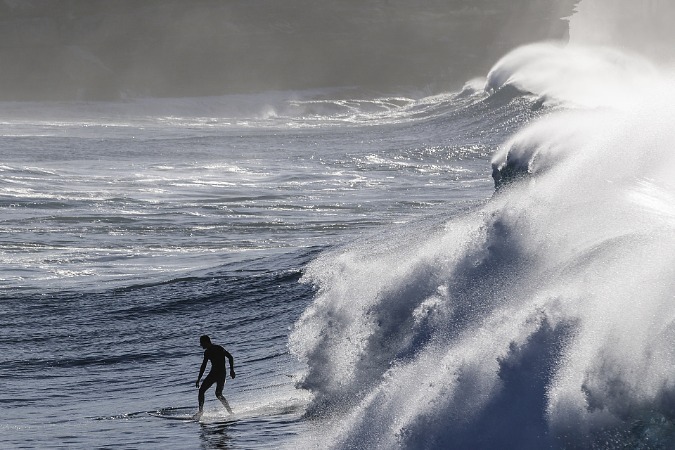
(543, 319)
(576, 75)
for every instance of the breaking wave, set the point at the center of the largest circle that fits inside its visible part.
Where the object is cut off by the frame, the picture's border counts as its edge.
(545, 318)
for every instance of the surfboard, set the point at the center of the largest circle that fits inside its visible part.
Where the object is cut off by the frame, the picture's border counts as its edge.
(184, 413)
(243, 411)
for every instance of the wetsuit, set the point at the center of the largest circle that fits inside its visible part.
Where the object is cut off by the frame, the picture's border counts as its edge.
(216, 355)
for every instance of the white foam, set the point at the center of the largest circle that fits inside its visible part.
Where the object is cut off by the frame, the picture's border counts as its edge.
(545, 318)
(577, 75)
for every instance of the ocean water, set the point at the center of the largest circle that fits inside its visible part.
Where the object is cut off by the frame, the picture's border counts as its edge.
(126, 235)
(488, 268)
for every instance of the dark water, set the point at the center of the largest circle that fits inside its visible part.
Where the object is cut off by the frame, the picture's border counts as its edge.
(80, 367)
(123, 242)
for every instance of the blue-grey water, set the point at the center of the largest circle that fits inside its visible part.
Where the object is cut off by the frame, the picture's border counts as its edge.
(124, 240)
(407, 267)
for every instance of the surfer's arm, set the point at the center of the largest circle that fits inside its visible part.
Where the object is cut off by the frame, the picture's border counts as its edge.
(231, 360)
(201, 370)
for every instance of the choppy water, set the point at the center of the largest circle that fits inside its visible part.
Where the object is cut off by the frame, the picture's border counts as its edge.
(123, 241)
(376, 288)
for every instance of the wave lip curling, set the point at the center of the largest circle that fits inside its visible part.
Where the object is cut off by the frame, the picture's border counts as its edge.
(543, 319)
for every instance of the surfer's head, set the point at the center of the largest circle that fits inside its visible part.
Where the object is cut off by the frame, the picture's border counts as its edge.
(204, 341)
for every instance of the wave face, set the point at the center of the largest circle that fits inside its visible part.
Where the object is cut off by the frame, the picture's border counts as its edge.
(543, 319)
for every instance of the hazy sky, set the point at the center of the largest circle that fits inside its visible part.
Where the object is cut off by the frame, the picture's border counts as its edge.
(102, 49)
(644, 26)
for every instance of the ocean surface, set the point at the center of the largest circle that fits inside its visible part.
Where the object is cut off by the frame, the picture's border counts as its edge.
(480, 269)
(126, 236)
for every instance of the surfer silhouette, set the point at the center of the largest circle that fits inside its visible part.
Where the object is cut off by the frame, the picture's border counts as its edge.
(216, 354)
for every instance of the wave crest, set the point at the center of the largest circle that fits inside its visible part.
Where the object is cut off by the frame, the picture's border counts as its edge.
(543, 319)
(575, 75)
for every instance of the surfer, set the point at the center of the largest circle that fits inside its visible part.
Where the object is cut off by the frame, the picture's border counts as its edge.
(216, 354)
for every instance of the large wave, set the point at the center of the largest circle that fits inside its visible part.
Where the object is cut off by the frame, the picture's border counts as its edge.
(543, 319)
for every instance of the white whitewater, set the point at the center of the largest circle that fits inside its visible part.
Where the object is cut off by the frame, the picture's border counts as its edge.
(544, 319)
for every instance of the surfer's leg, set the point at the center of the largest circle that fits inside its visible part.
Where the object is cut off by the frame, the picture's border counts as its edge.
(223, 400)
(200, 398)
(219, 394)
(206, 384)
